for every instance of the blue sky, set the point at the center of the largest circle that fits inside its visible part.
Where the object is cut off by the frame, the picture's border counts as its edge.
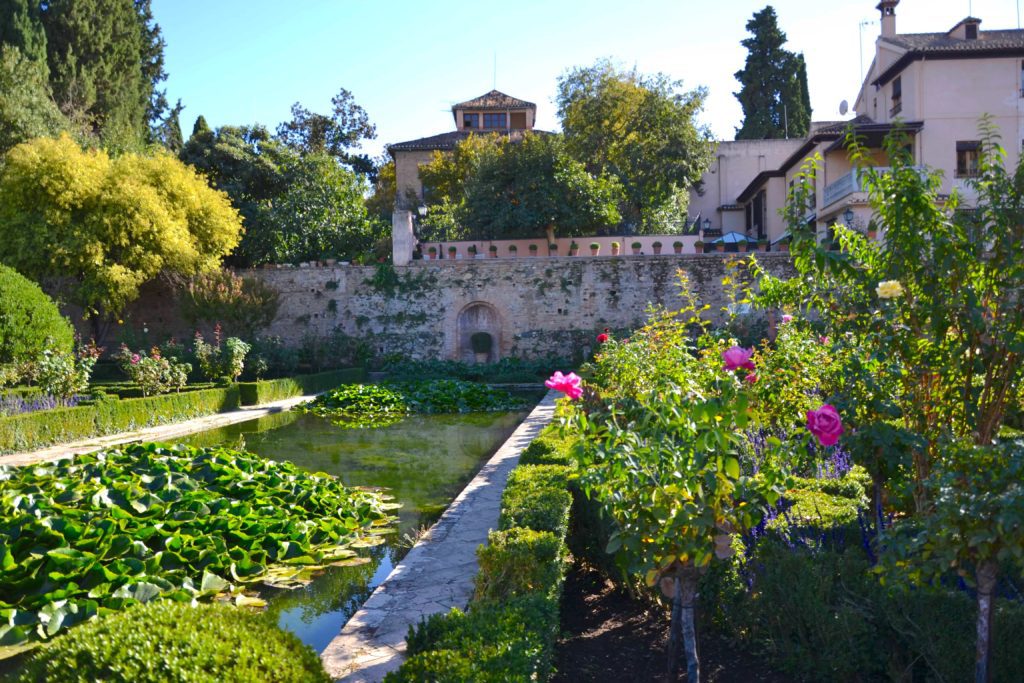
(406, 62)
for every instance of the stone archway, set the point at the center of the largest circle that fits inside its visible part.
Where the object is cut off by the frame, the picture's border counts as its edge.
(475, 318)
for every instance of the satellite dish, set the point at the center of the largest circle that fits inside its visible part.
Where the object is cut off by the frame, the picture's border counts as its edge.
(844, 107)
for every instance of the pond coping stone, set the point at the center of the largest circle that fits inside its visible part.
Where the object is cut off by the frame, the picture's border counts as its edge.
(437, 573)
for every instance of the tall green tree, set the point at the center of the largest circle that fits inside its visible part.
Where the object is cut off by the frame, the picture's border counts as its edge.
(338, 134)
(20, 27)
(532, 188)
(774, 96)
(26, 108)
(105, 58)
(640, 129)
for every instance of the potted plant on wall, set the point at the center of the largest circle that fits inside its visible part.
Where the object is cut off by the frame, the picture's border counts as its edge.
(481, 343)
(472, 251)
(677, 247)
(636, 247)
(742, 246)
(553, 249)
(615, 248)
(431, 253)
(762, 244)
(574, 249)
(453, 251)
(595, 248)
(698, 246)
(719, 246)
(493, 250)
(513, 250)
(656, 247)
(533, 250)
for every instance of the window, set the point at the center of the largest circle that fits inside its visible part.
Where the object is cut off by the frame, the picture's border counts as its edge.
(1022, 79)
(897, 96)
(971, 31)
(471, 120)
(494, 120)
(967, 158)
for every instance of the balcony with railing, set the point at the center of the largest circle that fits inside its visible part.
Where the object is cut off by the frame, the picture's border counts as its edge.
(850, 183)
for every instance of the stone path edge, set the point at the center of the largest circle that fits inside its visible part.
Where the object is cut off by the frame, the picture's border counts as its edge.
(437, 573)
(165, 432)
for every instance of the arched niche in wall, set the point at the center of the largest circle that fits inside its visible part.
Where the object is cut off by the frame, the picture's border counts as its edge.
(478, 318)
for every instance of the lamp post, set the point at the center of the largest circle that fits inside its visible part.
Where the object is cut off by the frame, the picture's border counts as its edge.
(848, 217)
(707, 224)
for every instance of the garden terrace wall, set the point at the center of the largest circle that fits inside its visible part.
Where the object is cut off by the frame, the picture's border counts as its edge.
(533, 307)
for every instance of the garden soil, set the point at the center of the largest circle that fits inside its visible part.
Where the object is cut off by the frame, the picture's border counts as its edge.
(610, 637)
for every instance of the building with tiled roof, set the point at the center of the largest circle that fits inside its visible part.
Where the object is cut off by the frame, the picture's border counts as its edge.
(491, 113)
(935, 87)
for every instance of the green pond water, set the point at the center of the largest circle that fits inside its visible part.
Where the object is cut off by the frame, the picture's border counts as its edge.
(423, 461)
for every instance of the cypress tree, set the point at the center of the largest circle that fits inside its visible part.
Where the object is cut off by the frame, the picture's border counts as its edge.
(773, 92)
(20, 27)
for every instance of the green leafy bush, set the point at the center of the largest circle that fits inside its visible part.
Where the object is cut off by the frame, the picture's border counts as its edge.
(30, 322)
(167, 641)
(109, 529)
(153, 373)
(63, 375)
(244, 304)
(549, 448)
(537, 497)
(221, 361)
(512, 641)
(519, 561)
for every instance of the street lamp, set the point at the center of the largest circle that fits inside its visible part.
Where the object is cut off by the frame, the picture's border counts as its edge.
(707, 224)
(848, 217)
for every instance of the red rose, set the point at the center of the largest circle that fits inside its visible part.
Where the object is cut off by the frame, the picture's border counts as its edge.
(602, 338)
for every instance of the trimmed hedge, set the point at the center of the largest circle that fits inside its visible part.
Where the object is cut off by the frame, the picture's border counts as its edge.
(509, 631)
(547, 449)
(269, 390)
(110, 416)
(171, 641)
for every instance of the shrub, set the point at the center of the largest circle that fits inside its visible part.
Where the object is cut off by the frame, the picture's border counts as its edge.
(30, 322)
(245, 304)
(547, 449)
(153, 373)
(537, 498)
(481, 342)
(220, 362)
(269, 390)
(165, 641)
(63, 375)
(517, 562)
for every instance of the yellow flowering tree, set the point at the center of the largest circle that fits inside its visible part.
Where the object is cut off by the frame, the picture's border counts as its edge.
(102, 227)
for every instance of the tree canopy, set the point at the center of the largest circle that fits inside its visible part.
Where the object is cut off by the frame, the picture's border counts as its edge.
(336, 134)
(102, 227)
(640, 129)
(773, 93)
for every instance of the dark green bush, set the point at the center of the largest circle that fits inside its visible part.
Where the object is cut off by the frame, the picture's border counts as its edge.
(269, 390)
(109, 416)
(537, 497)
(30, 321)
(817, 510)
(519, 561)
(169, 641)
(549, 448)
(846, 487)
(509, 641)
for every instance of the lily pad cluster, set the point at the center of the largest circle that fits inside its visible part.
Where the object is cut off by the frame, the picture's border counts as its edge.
(357, 406)
(104, 531)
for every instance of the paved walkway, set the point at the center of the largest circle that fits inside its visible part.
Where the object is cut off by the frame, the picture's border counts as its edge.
(438, 572)
(166, 432)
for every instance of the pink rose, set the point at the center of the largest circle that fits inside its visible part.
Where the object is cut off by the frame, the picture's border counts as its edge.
(825, 424)
(136, 358)
(751, 378)
(738, 357)
(602, 338)
(567, 384)
(823, 340)
(787, 318)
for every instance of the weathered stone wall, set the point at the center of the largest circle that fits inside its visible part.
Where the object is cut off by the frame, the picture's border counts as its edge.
(430, 309)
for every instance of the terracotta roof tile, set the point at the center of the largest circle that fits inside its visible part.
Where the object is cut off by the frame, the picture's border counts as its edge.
(494, 100)
(446, 141)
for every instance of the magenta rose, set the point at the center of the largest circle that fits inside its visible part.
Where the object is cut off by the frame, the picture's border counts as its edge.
(825, 424)
(787, 318)
(136, 358)
(737, 357)
(567, 384)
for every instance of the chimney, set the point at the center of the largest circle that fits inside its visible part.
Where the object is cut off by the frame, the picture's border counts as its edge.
(888, 10)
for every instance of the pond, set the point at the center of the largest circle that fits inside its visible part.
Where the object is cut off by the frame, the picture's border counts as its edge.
(424, 461)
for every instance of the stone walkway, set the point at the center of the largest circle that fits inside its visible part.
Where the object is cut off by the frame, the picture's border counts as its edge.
(166, 432)
(438, 572)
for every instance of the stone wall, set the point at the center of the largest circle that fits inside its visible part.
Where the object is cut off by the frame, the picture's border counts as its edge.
(530, 306)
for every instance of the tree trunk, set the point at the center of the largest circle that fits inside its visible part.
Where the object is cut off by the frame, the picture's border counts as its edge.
(689, 595)
(675, 630)
(986, 575)
(549, 232)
